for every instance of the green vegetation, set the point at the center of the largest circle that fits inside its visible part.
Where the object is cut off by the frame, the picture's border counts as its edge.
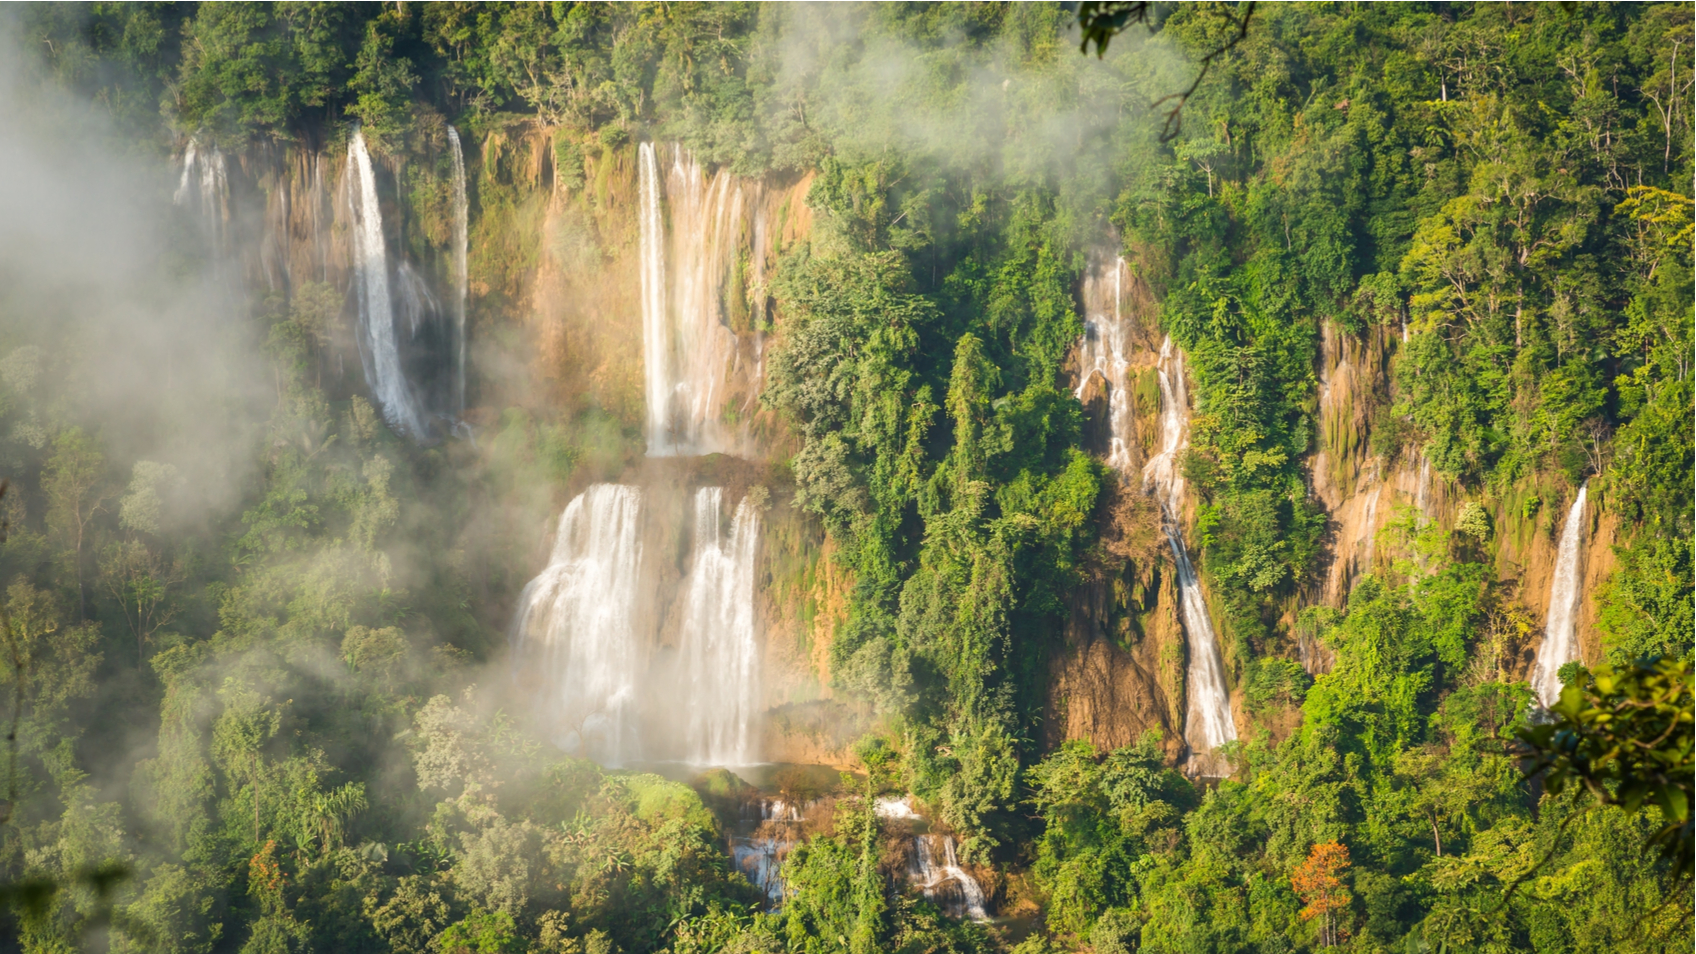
(252, 726)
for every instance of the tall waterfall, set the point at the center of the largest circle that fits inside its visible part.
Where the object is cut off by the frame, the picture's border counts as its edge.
(1103, 352)
(1207, 722)
(461, 267)
(689, 349)
(575, 626)
(721, 655)
(1560, 631)
(656, 338)
(379, 348)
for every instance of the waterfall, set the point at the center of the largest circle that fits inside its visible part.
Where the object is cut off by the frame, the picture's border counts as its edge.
(205, 188)
(1103, 352)
(1207, 722)
(721, 654)
(941, 879)
(767, 830)
(1560, 636)
(379, 348)
(690, 351)
(575, 629)
(656, 339)
(461, 267)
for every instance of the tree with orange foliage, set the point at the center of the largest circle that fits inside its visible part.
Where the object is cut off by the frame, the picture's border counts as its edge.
(1316, 881)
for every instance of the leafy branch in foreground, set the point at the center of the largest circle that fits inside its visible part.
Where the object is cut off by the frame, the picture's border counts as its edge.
(1625, 735)
(1101, 20)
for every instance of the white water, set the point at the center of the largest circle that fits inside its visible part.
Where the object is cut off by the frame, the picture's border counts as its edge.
(379, 349)
(895, 809)
(721, 654)
(1207, 722)
(941, 879)
(769, 828)
(690, 354)
(575, 626)
(656, 340)
(205, 188)
(1103, 351)
(461, 267)
(1560, 632)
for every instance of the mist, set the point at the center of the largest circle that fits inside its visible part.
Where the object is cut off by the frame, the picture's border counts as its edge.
(709, 478)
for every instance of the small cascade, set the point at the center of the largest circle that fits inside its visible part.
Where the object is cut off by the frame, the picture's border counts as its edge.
(895, 809)
(1106, 340)
(205, 189)
(574, 627)
(720, 651)
(461, 268)
(767, 830)
(379, 345)
(939, 876)
(1208, 723)
(1560, 631)
(693, 302)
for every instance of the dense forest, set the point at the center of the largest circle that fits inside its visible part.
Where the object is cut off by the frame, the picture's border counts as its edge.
(1254, 515)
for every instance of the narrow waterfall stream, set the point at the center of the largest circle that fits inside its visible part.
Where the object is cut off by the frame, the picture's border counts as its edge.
(379, 347)
(575, 625)
(1207, 721)
(1106, 339)
(461, 268)
(1560, 630)
(656, 337)
(721, 654)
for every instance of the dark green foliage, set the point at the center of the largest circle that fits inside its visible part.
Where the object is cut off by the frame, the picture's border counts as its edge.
(1625, 734)
(1499, 193)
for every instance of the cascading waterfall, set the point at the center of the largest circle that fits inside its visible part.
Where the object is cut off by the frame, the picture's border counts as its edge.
(1560, 631)
(461, 267)
(941, 879)
(1208, 723)
(721, 654)
(767, 830)
(379, 348)
(688, 347)
(1103, 352)
(575, 626)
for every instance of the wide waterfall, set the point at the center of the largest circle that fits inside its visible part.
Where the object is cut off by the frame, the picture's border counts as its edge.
(461, 268)
(1207, 722)
(575, 628)
(689, 302)
(379, 347)
(721, 655)
(1106, 337)
(1560, 630)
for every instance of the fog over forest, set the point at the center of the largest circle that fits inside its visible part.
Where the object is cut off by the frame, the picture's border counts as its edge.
(581, 478)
